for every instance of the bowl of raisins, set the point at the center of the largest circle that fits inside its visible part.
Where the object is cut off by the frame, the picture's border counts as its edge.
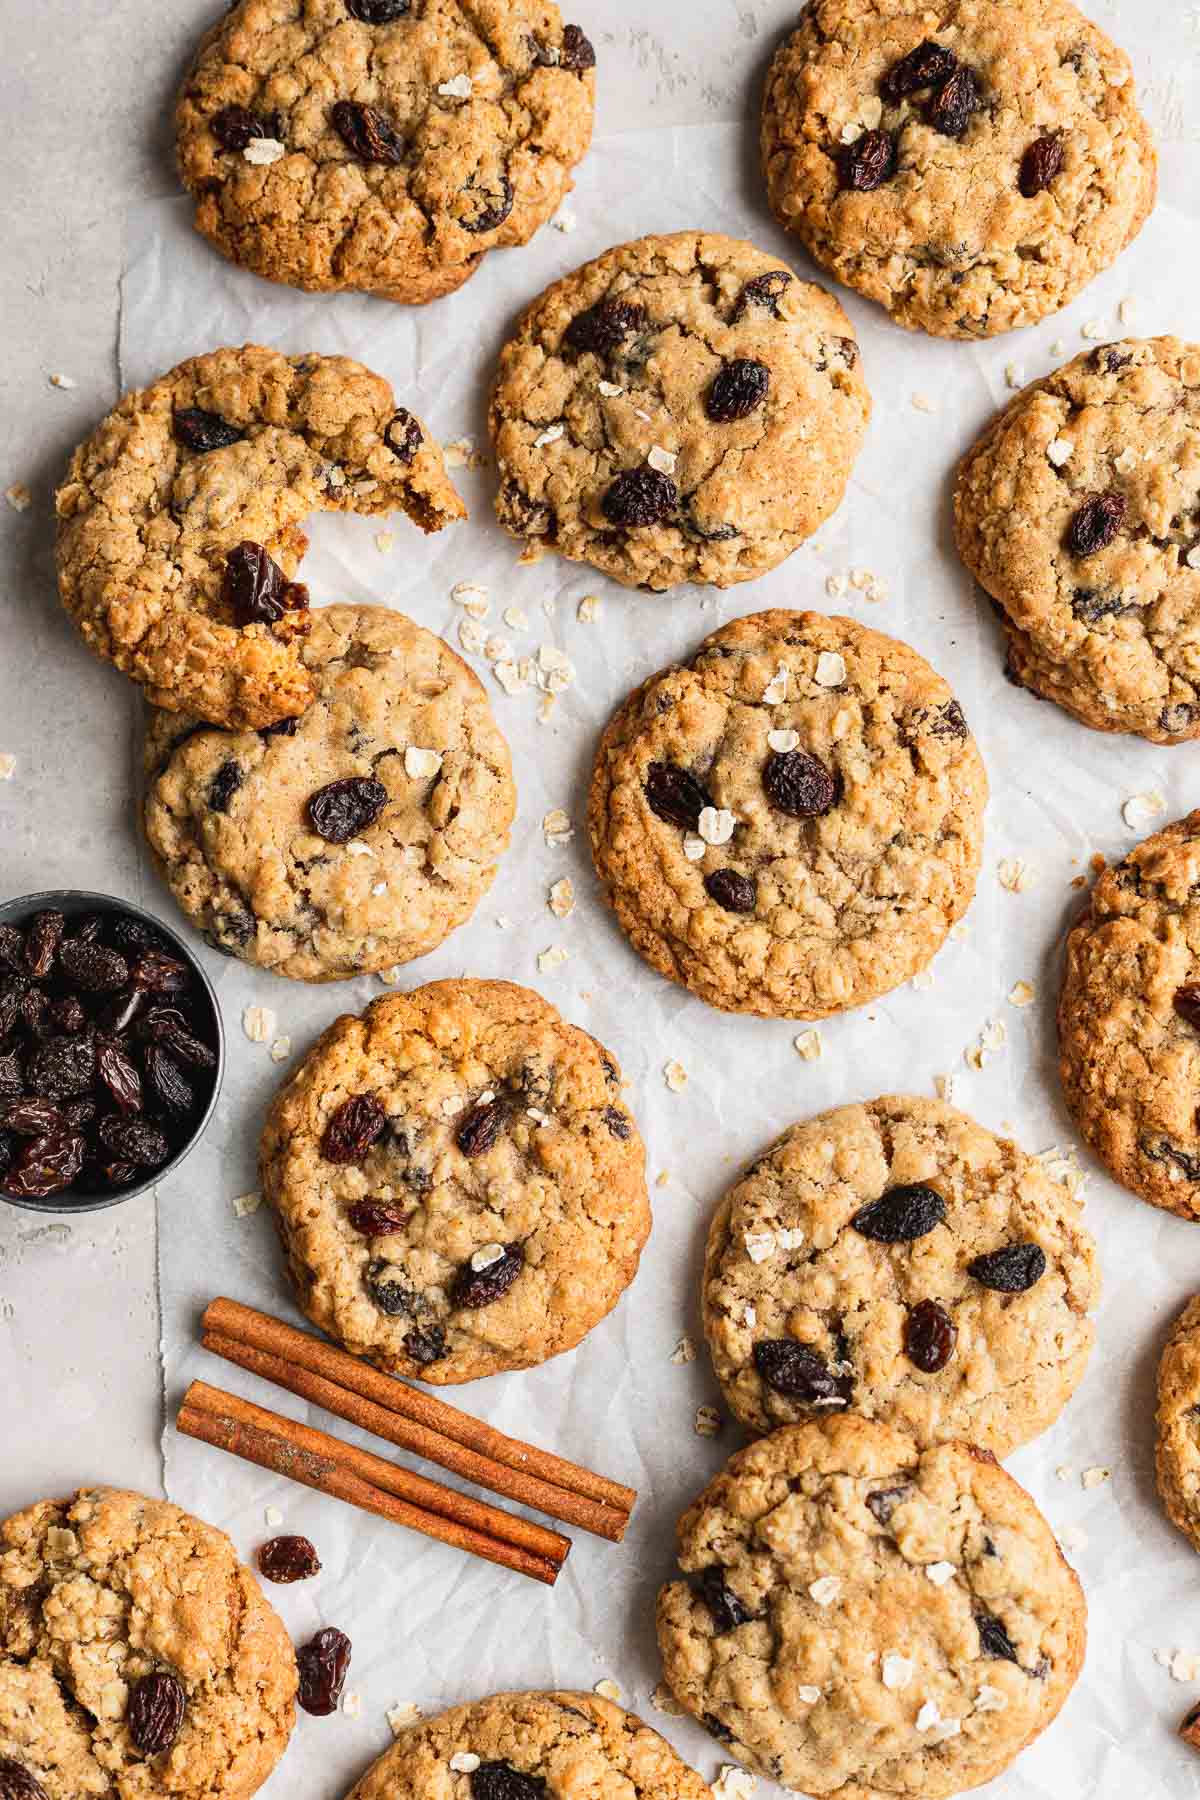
(111, 1051)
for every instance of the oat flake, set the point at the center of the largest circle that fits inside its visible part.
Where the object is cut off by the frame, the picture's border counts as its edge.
(459, 87)
(1060, 452)
(808, 1696)
(664, 1701)
(897, 1671)
(515, 619)
(826, 1590)
(552, 958)
(281, 1049)
(1015, 874)
(8, 766)
(245, 1204)
(923, 403)
(264, 151)
(675, 1076)
(589, 609)
(464, 1762)
(551, 435)
(402, 1715)
(562, 898)
(990, 1699)
(694, 847)
(421, 763)
(610, 389)
(836, 586)
(662, 460)
(716, 824)
(273, 1517)
(258, 1023)
(830, 670)
(18, 497)
(384, 541)
(557, 827)
(941, 1572)
(708, 1421)
(809, 1045)
(1139, 809)
(782, 741)
(1094, 1478)
(776, 689)
(485, 1257)
(760, 1246)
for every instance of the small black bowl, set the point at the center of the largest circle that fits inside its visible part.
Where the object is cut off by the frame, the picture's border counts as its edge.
(74, 904)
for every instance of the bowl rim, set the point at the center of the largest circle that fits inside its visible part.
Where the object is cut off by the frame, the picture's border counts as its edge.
(86, 900)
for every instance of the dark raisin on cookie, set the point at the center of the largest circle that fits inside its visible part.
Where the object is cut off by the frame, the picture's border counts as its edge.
(994, 1640)
(619, 1124)
(500, 1781)
(1090, 606)
(197, 429)
(675, 796)
(425, 1345)
(497, 204)
(884, 1501)
(378, 12)
(236, 126)
(604, 327)
(224, 785)
(376, 1218)
(352, 1129)
(578, 52)
(735, 893)
(402, 435)
(481, 1127)
(799, 784)
(930, 1336)
(18, 1783)
(367, 133)
(640, 497)
(1096, 524)
(255, 588)
(763, 290)
(1013, 1270)
(156, 1708)
(930, 62)
(474, 1288)
(796, 1370)
(738, 389)
(901, 1215)
(728, 1612)
(339, 811)
(867, 163)
(1187, 1003)
(1040, 164)
(953, 104)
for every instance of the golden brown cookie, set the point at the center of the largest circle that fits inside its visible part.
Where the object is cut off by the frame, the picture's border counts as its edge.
(970, 164)
(1076, 511)
(385, 145)
(897, 1261)
(865, 1619)
(458, 1185)
(1177, 1459)
(357, 838)
(790, 823)
(1129, 1020)
(681, 409)
(138, 1657)
(531, 1747)
(180, 521)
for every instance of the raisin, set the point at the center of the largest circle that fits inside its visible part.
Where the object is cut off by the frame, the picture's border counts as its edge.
(12, 992)
(1164, 1151)
(8, 1150)
(288, 1558)
(168, 1083)
(474, 1288)
(391, 1297)
(93, 967)
(403, 435)
(620, 1126)
(764, 291)
(12, 1081)
(352, 1129)
(604, 327)
(367, 133)
(236, 126)
(1187, 1003)
(135, 934)
(31, 1117)
(167, 1026)
(323, 1664)
(156, 1708)
(921, 68)
(884, 1501)
(642, 496)
(500, 1781)
(118, 1015)
(867, 163)
(929, 1337)
(377, 12)
(738, 389)
(119, 1174)
(68, 1013)
(135, 1141)
(255, 588)
(798, 784)
(427, 1344)
(1096, 524)
(63, 1066)
(994, 1640)
(156, 973)
(1040, 164)
(796, 1370)
(1110, 361)
(281, 728)
(1013, 1270)
(45, 1166)
(200, 430)
(1189, 1731)
(848, 351)
(715, 1728)
(499, 205)
(341, 810)
(118, 1075)
(951, 106)
(900, 1215)
(950, 722)
(675, 796)
(736, 893)
(78, 1113)
(12, 949)
(481, 1127)
(16, 1782)
(34, 1012)
(224, 785)
(42, 939)
(578, 52)
(376, 1219)
(728, 1612)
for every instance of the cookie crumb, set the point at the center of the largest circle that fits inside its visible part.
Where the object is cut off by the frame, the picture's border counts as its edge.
(1095, 1477)
(1059, 347)
(245, 1204)
(675, 1076)
(565, 221)
(1127, 311)
(922, 980)
(826, 1589)
(18, 497)
(402, 1715)
(258, 1023)
(708, 1422)
(1074, 1541)
(8, 766)
(562, 898)
(1015, 874)
(836, 586)
(552, 958)
(63, 381)
(1063, 1166)
(664, 1701)
(1022, 993)
(663, 1178)
(281, 1049)
(1064, 1472)
(557, 828)
(924, 403)
(734, 1784)
(1139, 809)
(1095, 328)
(1014, 375)
(684, 1352)
(352, 1705)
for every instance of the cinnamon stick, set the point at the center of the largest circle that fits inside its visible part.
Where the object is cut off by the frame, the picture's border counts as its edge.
(417, 1422)
(323, 1463)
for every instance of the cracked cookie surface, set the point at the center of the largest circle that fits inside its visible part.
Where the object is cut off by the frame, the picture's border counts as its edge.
(167, 507)
(683, 408)
(1077, 511)
(1129, 1020)
(232, 821)
(842, 797)
(107, 1588)
(383, 145)
(565, 1746)
(786, 1265)
(458, 1184)
(875, 1619)
(1177, 1459)
(969, 164)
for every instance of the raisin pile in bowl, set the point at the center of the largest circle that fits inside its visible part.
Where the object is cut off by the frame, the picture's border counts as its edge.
(107, 1058)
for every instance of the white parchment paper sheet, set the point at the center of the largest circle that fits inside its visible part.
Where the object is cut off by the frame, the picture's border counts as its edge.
(431, 1626)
